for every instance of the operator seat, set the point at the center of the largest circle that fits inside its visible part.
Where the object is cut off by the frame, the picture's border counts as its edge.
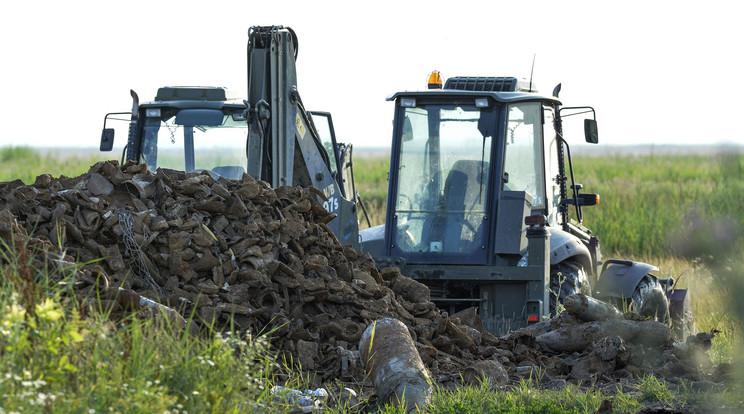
(459, 226)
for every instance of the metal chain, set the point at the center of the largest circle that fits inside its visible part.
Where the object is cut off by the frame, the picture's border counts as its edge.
(133, 250)
(172, 129)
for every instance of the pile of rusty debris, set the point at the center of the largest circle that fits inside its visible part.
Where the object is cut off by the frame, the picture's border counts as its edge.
(237, 253)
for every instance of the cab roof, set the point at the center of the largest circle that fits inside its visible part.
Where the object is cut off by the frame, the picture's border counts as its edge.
(208, 97)
(500, 89)
(505, 97)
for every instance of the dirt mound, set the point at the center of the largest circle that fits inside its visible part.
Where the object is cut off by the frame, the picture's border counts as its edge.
(237, 253)
(232, 252)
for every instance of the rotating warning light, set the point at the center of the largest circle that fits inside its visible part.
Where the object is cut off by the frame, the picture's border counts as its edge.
(435, 80)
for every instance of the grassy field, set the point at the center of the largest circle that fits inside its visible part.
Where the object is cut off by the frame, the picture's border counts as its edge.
(25, 163)
(681, 212)
(649, 202)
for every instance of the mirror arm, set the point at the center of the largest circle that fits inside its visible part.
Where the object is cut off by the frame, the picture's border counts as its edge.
(107, 134)
(579, 216)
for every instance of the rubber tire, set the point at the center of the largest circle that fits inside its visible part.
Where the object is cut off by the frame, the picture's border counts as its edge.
(575, 280)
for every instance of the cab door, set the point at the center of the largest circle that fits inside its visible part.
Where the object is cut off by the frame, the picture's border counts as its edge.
(340, 166)
(324, 125)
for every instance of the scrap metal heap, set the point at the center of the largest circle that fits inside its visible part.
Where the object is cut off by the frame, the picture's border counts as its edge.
(237, 253)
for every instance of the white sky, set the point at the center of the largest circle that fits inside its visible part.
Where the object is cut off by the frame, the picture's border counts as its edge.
(664, 72)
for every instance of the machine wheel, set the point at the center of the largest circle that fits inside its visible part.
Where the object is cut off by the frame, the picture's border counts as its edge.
(566, 279)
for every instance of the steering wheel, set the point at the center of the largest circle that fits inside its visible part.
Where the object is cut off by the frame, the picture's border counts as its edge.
(406, 241)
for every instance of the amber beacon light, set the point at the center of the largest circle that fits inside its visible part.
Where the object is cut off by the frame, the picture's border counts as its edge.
(435, 80)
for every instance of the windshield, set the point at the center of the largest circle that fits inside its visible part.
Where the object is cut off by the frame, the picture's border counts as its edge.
(442, 187)
(196, 140)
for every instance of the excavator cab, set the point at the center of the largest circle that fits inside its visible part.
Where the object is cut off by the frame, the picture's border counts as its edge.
(195, 139)
(187, 129)
(453, 165)
(478, 202)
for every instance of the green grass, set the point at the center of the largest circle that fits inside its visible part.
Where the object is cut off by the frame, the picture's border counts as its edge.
(371, 179)
(26, 164)
(527, 397)
(649, 201)
(524, 398)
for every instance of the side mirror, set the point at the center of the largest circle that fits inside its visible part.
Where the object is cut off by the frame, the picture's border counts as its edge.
(107, 139)
(590, 131)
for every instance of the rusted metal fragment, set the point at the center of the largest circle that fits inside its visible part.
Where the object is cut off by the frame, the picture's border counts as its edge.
(486, 371)
(589, 309)
(572, 338)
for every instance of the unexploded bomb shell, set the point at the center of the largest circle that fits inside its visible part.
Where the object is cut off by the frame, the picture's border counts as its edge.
(394, 365)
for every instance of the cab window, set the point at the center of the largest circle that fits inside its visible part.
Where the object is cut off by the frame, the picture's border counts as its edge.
(523, 160)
